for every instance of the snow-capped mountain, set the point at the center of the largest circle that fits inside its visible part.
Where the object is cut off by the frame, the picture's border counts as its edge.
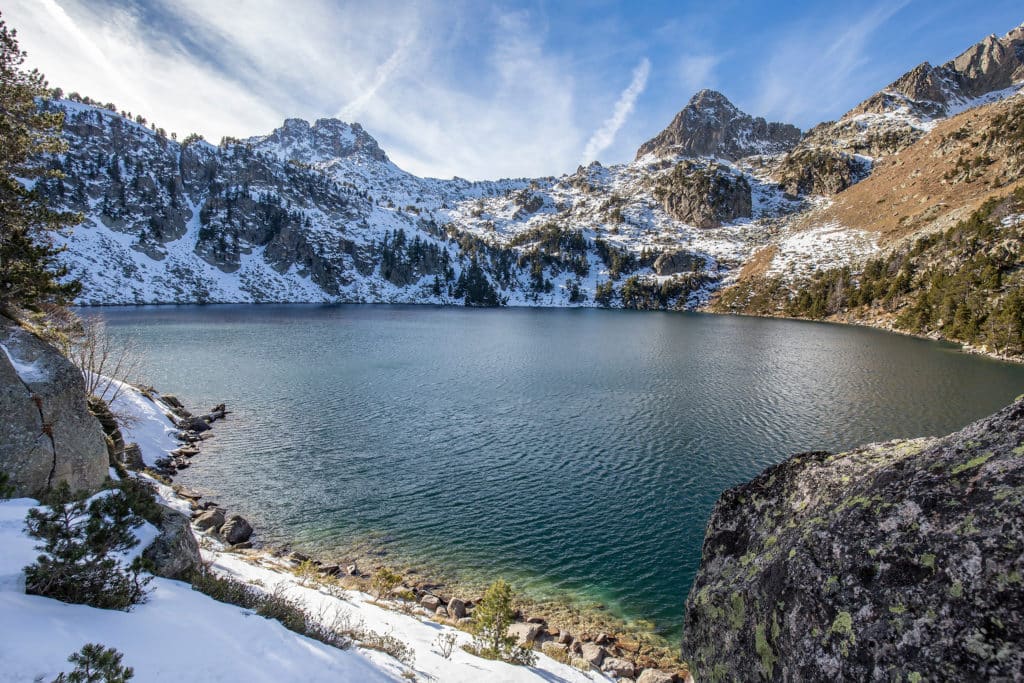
(836, 154)
(317, 212)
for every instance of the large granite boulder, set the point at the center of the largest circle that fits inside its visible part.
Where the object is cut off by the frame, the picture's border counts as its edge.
(47, 434)
(525, 633)
(211, 520)
(896, 561)
(175, 552)
(236, 530)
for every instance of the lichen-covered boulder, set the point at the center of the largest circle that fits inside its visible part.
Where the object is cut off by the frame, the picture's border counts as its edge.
(47, 434)
(896, 561)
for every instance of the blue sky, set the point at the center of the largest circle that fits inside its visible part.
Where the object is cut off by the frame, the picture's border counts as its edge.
(485, 90)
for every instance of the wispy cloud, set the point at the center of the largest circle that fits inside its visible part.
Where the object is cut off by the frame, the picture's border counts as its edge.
(604, 136)
(471, 88)
(380, 77)
(814, 66)
(228, 69)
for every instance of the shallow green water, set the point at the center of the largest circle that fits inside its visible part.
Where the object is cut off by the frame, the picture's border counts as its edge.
(575, 451)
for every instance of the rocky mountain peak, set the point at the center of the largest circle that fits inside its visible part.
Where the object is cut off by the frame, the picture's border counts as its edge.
(324, 140)
(990, 65)
(713, 103)
(711, 125)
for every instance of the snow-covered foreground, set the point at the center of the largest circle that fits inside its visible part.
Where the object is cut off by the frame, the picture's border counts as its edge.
(181, 634)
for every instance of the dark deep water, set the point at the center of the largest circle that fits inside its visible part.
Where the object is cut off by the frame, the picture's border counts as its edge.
(574, 452)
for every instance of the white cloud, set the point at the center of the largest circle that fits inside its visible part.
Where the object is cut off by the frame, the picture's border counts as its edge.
(240, 69)
(109, 61)
(604, 136)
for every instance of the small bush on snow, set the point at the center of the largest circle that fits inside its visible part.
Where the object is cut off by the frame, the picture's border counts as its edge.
(81, 541)
(96, 664)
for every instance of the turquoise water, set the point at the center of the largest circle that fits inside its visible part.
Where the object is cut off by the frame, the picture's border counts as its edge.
(576, 452)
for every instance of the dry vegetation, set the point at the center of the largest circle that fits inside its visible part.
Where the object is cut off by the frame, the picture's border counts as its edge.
(939, 180)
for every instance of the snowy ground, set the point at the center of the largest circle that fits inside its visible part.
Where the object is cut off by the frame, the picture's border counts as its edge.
(180, 634)
(828, 246)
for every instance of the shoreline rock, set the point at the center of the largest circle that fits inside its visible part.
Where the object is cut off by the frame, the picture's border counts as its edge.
(889, 560)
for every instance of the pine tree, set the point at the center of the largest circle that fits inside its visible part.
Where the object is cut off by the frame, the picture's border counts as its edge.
(491, 619)
(29, 272)
(97, 664)
(80, 539)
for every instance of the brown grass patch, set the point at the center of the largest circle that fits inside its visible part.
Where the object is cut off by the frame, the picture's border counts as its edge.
(911, 192)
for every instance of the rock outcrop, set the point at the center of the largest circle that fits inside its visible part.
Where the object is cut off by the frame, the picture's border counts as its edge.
(896, 561)
(814, 170)
(675, 262)
(711, 125)
(175, 552)
(705, 196)
(47, 434)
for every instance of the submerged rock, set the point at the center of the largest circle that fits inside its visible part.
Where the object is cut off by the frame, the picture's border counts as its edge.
(896, 561)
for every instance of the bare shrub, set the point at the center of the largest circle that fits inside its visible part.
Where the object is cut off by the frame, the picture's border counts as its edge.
(445, 644)
(106, 362)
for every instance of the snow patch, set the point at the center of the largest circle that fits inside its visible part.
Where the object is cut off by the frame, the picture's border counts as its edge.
(28, 372)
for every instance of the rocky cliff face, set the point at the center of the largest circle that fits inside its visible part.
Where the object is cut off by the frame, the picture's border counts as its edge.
(711, 125)
(897, 561)
(704, 195)
(47, 434)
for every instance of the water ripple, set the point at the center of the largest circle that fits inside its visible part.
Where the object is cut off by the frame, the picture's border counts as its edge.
(575, 451)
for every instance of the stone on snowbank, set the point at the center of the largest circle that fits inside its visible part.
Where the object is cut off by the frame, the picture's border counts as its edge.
(236, 530)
